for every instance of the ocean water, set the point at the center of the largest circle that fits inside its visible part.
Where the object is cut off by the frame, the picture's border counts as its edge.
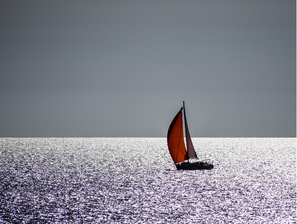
(133, 180)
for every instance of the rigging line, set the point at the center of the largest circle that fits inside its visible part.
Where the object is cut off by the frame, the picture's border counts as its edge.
(191, 122)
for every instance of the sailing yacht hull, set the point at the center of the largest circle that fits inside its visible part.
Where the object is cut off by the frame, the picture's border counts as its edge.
(194, 166)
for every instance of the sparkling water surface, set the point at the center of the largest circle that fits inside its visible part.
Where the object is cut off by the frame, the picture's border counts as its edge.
(133, 180)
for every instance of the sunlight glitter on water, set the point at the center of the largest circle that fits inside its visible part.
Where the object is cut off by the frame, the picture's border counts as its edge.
(118, 180)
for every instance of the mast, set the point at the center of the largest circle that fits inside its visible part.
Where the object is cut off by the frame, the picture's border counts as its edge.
(190, 147)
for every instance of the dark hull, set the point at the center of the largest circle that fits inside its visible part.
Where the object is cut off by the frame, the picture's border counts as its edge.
(194, 166)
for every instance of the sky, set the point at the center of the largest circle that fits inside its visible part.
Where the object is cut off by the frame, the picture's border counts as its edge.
(116, 68)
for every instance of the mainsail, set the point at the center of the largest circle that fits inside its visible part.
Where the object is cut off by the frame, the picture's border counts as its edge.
(190, 146)
(175, 139)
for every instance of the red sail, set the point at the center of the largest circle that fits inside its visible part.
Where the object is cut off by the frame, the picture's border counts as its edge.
(175, 139)
(190, 146)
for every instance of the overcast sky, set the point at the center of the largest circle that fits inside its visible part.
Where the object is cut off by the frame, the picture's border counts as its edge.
(122, 68)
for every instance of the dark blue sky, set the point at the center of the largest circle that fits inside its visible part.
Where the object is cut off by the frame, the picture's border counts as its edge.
(122, 68)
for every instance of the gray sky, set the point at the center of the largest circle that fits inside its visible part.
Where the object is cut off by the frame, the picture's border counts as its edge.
(122, 68)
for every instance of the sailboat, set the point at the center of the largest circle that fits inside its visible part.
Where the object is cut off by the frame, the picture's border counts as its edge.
(182, 155)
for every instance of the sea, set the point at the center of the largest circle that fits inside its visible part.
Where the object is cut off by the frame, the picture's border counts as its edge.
(134, 180)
